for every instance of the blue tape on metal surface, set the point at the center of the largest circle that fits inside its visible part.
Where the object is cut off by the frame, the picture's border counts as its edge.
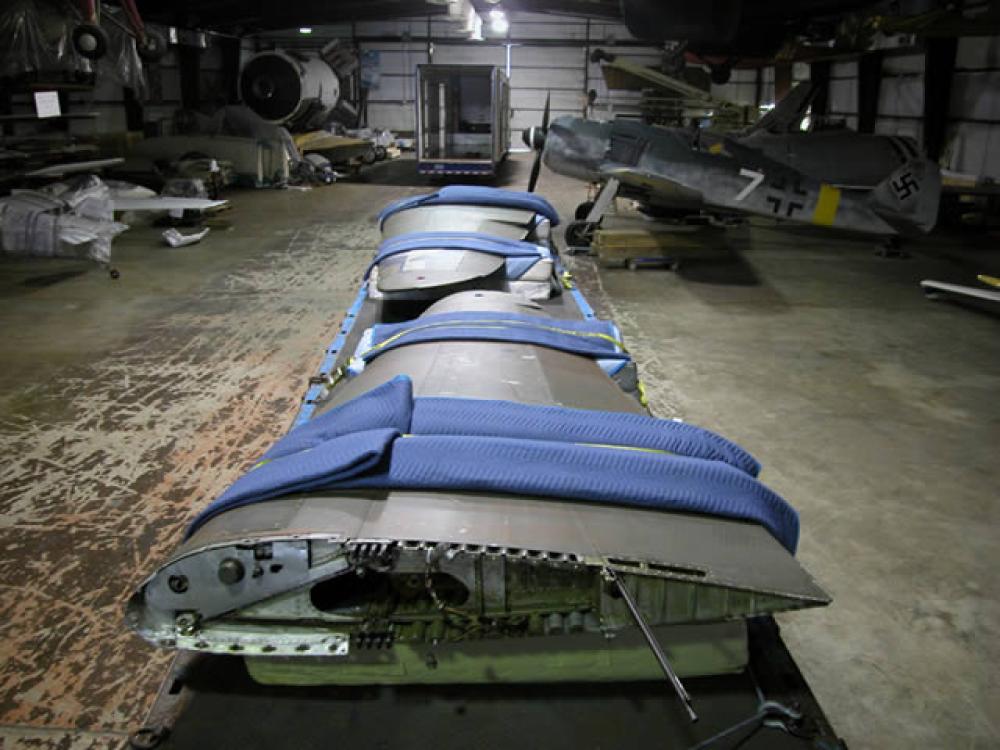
(330, 358)
(581, 302)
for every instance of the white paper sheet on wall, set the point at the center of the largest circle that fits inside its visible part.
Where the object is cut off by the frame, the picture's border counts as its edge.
(47, 104)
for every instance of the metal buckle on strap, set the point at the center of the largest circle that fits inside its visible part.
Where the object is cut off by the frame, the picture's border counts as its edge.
(328, 380)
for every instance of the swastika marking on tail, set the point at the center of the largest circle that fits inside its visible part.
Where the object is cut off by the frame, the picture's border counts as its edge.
(905, 186)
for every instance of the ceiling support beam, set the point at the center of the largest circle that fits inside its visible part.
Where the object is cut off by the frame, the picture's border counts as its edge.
(189, 67)
(603, 9)
(869, 86)
(230, 49)
(782, 80)
(819, 74)
(939, 71)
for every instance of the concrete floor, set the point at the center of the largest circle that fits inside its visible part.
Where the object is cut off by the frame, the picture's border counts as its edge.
(125, 406)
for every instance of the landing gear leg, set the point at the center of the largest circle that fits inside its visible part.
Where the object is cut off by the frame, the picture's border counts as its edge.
(608, 192)
(580, 233)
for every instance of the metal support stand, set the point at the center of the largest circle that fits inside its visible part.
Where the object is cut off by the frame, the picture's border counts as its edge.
(654, 645)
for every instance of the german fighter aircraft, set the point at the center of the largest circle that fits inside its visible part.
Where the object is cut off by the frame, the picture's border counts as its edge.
(870, 184)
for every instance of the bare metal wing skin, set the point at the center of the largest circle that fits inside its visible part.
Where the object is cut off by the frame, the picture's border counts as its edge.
(407, 581)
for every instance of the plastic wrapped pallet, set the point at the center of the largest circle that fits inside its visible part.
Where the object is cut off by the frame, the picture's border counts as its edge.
(72, 219)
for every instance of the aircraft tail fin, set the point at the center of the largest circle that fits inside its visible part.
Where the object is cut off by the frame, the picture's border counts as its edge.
(788, 113)
(909, 197)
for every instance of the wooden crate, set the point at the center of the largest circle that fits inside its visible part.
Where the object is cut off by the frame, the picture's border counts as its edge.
(637, 247)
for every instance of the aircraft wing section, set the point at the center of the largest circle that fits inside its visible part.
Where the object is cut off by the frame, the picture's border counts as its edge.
(628, 76)
(788, 113)
(656, 184)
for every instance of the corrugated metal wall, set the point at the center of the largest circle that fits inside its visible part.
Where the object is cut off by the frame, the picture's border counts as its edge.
(974, 110)
(548, 55)
(975, 105)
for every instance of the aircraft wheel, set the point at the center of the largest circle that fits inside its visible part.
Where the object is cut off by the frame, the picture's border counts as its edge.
(580, 234)
(90, 41)
(368, 157)
(583, 210)
(152, 47)
(380, 153)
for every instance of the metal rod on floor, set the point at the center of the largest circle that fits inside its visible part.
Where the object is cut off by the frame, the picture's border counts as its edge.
(654, 645)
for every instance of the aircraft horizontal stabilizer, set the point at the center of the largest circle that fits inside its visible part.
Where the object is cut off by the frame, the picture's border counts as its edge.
(908, 198)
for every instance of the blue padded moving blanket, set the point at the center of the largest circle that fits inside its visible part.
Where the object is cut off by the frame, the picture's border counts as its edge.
(386, 439)
(589, 338)
(520, 255)
(474, 195)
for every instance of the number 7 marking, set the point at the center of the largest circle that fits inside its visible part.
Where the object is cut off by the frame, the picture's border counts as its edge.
(755, 179)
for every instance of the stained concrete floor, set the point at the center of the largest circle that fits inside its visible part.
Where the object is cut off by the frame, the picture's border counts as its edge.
(125, 406)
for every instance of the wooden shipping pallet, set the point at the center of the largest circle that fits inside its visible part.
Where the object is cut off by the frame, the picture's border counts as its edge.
(643, 247)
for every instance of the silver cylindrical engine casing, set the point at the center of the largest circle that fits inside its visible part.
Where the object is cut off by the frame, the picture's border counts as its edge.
(288, 89)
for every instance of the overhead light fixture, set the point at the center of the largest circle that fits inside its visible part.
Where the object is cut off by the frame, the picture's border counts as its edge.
(305, 30)
(498, 21)
(474, 26)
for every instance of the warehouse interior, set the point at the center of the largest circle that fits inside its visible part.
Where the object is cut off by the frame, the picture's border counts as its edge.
(218, 224)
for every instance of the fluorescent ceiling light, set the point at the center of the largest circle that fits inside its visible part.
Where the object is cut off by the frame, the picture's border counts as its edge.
(499, 25)
(305, 30)
(498, 21)
(476, 24)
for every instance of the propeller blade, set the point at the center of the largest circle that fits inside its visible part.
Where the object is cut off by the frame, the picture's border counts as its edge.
(536, 167)
(536, 140)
